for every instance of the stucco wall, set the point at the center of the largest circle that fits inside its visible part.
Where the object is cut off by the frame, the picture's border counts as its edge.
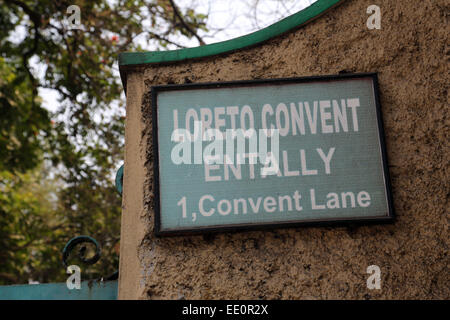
(410, 54)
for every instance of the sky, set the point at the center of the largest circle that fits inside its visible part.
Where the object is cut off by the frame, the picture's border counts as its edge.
(228, 18)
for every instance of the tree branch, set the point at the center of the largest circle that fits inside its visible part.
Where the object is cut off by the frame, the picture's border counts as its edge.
(8, 276)
(35, 17)
(185, 25)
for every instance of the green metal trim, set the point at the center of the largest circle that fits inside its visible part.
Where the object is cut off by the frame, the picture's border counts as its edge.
(90, 290)
(119, 180)
(276, 29)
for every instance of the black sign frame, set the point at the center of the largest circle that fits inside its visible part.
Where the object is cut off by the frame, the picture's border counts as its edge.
(326, 222)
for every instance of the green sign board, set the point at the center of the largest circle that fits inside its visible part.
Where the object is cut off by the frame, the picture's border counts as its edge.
(269, 153)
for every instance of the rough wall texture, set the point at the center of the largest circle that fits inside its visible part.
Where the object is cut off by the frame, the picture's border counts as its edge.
(410, 53)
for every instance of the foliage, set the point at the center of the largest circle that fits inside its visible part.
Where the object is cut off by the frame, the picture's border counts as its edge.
(30, 230)
(57, 168)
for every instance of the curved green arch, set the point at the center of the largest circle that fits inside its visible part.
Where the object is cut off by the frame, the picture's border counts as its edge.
(276, 29)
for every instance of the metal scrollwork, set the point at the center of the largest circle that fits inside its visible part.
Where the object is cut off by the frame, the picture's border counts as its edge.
(81, 253)
(70, 246)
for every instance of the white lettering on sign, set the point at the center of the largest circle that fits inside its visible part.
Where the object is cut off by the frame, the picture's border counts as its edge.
(208, 205)
(301, 118)
(321, 116)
